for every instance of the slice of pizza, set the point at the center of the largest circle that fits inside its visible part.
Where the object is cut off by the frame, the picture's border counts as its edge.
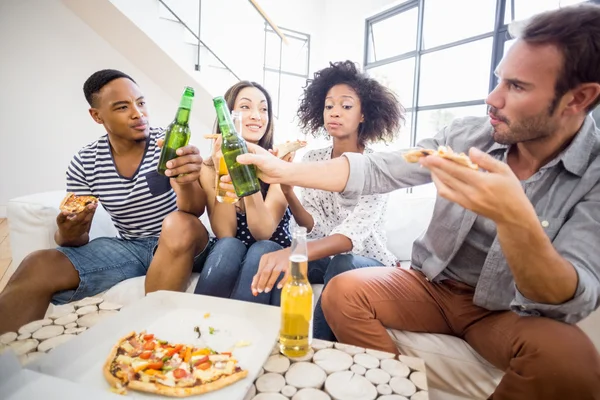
(283, 149)
(446, 152)
(75, 204)
(141, 362)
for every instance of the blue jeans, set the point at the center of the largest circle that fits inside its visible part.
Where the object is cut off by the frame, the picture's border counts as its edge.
(322, 271)
(235, 266)
(106, 261)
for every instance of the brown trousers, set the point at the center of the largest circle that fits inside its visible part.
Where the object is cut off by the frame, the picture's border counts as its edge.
(542, 358)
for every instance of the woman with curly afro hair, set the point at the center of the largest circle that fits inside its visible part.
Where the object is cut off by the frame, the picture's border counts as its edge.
(354, 110)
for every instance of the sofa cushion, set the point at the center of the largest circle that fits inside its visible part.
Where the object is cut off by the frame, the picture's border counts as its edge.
(406, 218)
(449, 360)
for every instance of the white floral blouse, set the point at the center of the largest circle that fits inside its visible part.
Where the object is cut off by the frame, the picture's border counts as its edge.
(363, 224)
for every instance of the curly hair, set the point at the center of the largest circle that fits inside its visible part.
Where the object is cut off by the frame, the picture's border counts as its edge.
(383, 114)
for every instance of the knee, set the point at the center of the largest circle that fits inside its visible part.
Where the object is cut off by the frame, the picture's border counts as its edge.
(228, 245)
(338, 265)
(228, 252)
(339, 293)
(43, 270)
(182, 232)
(263, 247)
(564, 351)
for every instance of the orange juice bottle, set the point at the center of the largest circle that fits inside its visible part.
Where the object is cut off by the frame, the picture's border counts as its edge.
(222, 193)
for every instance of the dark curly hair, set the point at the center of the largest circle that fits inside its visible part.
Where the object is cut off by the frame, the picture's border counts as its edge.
(383, 113)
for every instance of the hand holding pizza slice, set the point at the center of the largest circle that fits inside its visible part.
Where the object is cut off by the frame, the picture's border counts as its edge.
(74, 204)
(446, 152)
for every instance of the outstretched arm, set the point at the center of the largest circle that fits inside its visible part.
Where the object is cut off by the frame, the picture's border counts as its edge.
(275, 170)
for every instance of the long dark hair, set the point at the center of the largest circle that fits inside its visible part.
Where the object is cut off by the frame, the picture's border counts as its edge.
(266, 142)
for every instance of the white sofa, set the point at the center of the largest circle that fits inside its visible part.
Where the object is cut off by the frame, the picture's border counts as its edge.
(454, 369)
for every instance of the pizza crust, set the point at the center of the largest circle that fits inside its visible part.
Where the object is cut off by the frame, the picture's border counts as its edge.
(158, 388)
(283, 149)
(113, 380)
(446, 152)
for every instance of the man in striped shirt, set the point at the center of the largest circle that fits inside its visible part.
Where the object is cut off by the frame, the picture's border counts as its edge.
(160, 235)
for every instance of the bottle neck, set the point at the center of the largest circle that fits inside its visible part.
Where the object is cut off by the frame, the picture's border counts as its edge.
(298, 268)
(183, 116)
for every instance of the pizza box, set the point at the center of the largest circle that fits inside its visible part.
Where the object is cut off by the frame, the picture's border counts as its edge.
(172, 316)
(22, 384)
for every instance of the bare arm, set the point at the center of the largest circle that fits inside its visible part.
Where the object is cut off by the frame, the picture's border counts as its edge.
(328, 246)
(184, 172)
(190, 197)
(275, 170)
(264, 215)
(222, 216)
(540, 273)
(302, 217)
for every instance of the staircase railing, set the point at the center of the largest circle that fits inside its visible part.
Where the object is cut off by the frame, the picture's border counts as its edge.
(200, 42)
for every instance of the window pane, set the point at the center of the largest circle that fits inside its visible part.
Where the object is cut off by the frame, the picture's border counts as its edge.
(430, 122)
(460, 73)
(527, 8)
(393, 36)
(399, 76)
(272, 49)
(289, 100)
(448, 21)
(271, 83)
(508, 12)
(295, 56)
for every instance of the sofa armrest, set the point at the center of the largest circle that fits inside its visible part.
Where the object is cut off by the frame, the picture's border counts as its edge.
(32, 223)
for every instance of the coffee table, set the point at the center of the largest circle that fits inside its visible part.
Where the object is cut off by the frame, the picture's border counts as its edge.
(338, 371)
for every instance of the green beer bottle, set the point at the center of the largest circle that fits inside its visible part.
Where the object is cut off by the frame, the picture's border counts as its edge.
(178, 131)
(243, 177)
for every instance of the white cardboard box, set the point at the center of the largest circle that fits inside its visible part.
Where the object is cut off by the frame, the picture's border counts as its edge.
(22, 384)
(171, 316)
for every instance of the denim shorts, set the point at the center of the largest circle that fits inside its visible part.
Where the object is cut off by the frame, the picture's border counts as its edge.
(104, 262)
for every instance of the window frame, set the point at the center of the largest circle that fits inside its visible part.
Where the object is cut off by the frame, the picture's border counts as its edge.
(294, 35)
(499, 34)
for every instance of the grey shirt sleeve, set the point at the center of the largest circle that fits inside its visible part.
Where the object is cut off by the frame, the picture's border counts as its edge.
(577, 242)
(385, 172)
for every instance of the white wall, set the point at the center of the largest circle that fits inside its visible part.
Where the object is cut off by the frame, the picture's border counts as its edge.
(345, 27)
(47, 53)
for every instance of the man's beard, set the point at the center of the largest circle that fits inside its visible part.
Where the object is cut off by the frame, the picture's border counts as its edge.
(524, 130)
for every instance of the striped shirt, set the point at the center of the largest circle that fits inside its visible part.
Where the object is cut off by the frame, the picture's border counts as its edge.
(136, 205)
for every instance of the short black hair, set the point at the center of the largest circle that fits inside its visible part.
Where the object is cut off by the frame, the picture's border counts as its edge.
(383, 114)
(98, 80)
